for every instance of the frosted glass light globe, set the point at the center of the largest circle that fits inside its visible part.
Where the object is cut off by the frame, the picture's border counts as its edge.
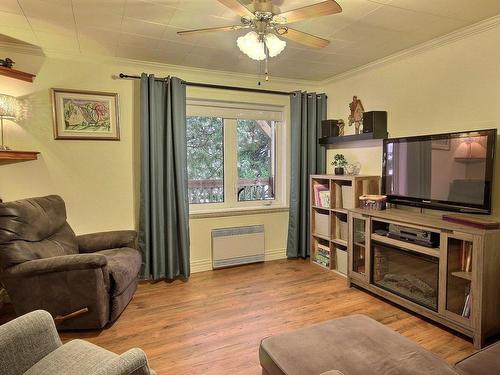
(250, 45)
(274, 45)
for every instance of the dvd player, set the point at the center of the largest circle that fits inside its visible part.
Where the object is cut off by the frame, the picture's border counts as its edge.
(418, 236)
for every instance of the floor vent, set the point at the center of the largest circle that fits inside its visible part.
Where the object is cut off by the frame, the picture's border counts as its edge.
(235, 246)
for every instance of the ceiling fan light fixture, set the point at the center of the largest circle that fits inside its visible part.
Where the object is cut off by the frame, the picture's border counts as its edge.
(251, 45)
(274, 45)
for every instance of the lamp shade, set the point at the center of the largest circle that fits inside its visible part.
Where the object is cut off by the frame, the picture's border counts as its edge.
(470, 149)
(8, 106)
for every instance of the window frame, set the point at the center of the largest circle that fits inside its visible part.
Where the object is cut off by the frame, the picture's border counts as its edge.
(230, 112)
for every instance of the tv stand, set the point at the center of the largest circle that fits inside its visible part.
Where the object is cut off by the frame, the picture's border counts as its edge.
(455, 284)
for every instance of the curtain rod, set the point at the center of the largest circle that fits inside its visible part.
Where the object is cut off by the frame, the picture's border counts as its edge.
(220, 87)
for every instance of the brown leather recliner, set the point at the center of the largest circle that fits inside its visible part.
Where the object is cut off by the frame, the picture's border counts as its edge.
(43, 265)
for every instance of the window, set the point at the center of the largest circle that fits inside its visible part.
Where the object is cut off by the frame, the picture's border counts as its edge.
(234, 155)
(205, 147)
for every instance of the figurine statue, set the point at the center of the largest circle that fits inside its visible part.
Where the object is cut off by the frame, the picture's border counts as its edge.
(6, 63)
(341, 126)
(356, 116)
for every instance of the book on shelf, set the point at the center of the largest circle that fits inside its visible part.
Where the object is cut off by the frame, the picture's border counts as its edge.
(467, 304)
(466, 257)
(322, 259)
(324, 254)
(324, 199)
(318, 189)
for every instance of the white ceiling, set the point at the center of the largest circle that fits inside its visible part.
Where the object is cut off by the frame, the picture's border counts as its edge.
(146, 30)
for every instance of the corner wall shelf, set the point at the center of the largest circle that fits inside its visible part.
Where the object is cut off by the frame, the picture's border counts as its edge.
(11, 155)
(17, 74)
(329, 141)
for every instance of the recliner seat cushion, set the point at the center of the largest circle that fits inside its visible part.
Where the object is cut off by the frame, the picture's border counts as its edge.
(77, 357)
(353, 345)
(124, 265)
(34, 228)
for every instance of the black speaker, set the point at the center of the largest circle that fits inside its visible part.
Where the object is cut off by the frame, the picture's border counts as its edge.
(329, 128)
(375, 122)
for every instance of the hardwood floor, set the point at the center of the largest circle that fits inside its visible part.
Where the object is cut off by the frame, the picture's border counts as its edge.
(213, 324)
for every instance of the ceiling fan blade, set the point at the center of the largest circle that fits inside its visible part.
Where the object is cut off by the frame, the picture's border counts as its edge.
(324, 8)
(305, 38)
(211, 29)
(237, 7)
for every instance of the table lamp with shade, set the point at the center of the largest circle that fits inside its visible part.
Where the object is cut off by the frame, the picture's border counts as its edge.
(8, 110)
(470, 149)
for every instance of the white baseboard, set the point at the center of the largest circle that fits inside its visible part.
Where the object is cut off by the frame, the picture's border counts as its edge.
(275, 254)
(206, 264)
(201, 265)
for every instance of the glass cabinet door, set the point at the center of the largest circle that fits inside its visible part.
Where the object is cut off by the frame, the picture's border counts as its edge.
(358, 239)
(459, 281)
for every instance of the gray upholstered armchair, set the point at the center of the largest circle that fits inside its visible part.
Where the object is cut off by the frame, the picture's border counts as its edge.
(83, 281)
(30, 345)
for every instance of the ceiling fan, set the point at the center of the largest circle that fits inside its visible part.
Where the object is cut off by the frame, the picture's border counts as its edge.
(267, 23)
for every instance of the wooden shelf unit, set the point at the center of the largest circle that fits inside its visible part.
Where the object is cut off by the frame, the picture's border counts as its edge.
(16, 74)
(329, 142)
(464, 268)
(329, 225)
(11, 155)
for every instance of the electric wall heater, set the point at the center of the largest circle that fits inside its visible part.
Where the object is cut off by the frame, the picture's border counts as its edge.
(234, 246)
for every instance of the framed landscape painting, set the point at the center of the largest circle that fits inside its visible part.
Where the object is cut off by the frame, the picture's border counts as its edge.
(85, 115)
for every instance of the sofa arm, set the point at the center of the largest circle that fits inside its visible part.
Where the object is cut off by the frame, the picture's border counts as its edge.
(56, 264)
(132, 362)
(26, 340)
(89, 243)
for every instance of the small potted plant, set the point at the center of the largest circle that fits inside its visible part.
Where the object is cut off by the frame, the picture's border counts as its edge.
(339, 161)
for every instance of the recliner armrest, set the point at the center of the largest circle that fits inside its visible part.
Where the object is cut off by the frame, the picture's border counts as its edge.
(56, 264)
(89, 243)
(133, 361)
(26, 340)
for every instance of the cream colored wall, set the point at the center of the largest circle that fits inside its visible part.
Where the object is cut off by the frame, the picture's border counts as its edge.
(99, 179)
(451, 87)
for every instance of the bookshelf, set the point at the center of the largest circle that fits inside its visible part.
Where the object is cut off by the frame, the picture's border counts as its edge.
(331, 198)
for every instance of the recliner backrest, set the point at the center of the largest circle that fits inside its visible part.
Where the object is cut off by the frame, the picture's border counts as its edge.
(34, 228)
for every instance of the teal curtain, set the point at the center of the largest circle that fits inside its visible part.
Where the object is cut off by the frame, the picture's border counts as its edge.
(307, 157)
(164, 206)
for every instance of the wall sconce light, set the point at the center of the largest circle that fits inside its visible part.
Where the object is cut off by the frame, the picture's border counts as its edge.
(8, 110)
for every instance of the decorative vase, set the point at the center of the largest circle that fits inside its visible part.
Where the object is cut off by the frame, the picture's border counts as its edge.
(339, 171)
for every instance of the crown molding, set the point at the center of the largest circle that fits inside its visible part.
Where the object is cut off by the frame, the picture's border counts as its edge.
(96, 58)
(454, 36)
(26, 49)
(179, 69)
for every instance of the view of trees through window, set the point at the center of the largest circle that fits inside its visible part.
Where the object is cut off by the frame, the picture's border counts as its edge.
(205, 148)
(255, 159)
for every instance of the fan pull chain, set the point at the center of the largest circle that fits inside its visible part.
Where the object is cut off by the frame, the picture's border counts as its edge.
(267, 63)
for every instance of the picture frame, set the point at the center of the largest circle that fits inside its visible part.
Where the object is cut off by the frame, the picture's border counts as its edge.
(441, 144)
(85, 115)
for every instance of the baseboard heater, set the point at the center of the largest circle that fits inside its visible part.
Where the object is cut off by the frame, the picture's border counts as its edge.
(235, 246)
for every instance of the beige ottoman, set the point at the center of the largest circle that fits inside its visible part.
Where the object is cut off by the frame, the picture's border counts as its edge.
(353, 345)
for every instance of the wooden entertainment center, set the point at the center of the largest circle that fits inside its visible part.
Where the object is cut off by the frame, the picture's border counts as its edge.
(456, 282)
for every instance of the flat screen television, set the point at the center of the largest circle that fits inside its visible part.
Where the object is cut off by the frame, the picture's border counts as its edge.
(452, 172)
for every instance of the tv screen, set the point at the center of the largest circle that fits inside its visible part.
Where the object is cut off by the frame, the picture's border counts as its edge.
(444, 171)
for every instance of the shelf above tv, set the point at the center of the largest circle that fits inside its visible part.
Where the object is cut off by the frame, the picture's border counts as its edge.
(331, 141)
